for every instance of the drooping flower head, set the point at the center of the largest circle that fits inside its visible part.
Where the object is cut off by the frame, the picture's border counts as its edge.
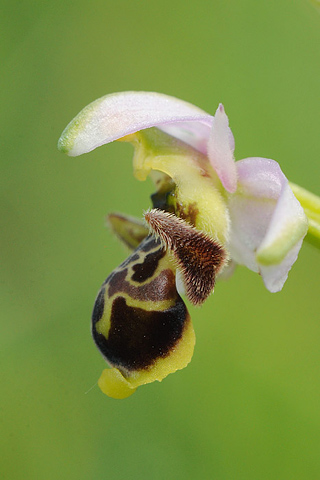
(209, 212)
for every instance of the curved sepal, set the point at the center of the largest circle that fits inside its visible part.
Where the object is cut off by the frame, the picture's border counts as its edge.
(114, 116)
(267, 221)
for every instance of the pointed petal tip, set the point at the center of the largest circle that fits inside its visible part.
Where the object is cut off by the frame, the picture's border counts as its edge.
(221, 108)
(220, 150)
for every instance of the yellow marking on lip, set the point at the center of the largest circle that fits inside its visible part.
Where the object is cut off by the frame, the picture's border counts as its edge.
(116, 385)
(104, 324)
(166, 262)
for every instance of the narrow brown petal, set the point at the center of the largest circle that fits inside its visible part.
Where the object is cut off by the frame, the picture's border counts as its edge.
(198, 256)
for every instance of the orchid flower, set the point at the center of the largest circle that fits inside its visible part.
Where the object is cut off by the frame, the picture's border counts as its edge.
(209, 213)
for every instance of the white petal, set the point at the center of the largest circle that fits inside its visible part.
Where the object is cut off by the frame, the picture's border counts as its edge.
(117, 115)
(220, 150)
(195, 134)
(267, 221)
(274, 276)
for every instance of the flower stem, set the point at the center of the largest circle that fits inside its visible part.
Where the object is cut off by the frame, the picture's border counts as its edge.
(311, 205)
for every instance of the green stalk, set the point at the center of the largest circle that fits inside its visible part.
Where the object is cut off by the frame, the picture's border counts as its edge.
(311, 205)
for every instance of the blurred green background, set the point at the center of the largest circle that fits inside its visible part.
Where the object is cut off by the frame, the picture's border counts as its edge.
(247, 407)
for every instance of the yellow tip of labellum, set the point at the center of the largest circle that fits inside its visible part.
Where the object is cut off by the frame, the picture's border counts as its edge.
(113, 384)
(198, 256)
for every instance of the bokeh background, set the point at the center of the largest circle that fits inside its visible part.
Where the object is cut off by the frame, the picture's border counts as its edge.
(247, 407)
